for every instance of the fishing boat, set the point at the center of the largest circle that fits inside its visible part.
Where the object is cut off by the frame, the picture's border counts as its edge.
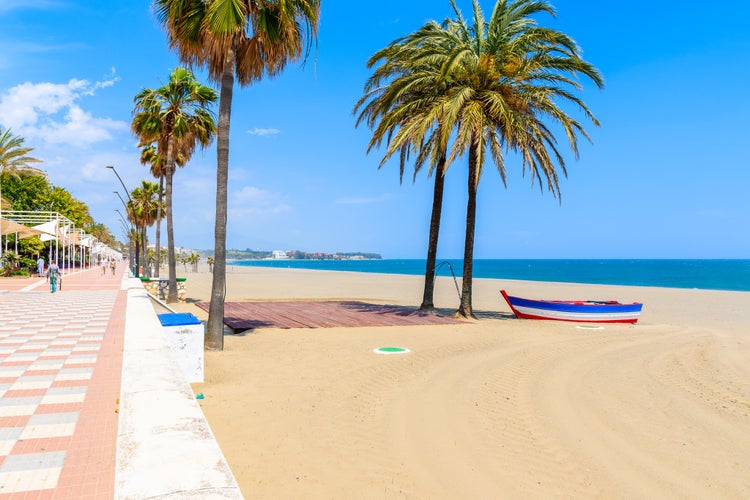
(589, 311)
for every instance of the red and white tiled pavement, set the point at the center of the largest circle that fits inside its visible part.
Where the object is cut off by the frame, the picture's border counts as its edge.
(60, 371)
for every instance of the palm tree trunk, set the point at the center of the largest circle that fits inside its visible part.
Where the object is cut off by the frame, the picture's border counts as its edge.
(465, 309)
(214, 340)
(144, 251)
(437, 209)
(137, 246)
(158, 228)
(172, 289)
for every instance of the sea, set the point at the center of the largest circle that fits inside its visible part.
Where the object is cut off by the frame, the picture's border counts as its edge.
(704, 274)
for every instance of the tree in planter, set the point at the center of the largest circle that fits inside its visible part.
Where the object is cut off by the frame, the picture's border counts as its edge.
(10, 261)
(173, 116)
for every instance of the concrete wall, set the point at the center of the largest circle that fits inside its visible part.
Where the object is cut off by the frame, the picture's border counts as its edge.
(165, 448)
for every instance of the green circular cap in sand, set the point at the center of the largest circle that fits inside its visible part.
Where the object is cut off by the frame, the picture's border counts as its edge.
(590, 327)
(391, 350)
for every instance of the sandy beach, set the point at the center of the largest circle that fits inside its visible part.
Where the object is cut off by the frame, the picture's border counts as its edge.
(498, 408)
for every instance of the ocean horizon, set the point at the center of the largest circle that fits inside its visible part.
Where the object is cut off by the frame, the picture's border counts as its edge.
(704, 274)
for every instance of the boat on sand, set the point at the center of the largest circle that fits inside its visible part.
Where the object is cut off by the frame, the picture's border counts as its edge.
(588, 311)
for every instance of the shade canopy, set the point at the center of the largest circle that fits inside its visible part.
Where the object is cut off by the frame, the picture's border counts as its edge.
(10, 227)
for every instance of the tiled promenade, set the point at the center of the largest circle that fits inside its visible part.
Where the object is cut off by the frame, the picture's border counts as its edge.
(61, 359)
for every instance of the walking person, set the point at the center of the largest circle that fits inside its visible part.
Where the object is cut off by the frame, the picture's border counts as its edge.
(53, 272)
(40, 267)
(104, 267)
(113, 266)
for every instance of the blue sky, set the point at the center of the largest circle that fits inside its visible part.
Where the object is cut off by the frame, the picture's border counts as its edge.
(666, 177)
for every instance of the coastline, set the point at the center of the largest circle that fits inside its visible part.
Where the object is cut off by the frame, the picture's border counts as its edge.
(703, 274)
(497, 407)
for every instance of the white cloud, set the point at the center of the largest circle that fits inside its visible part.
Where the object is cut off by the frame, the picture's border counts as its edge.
(50, 112)
(263, 132)
(253, 201)
(364, 200)
(80, 129)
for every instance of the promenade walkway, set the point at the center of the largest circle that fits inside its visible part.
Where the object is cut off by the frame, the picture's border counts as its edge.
(62, 391)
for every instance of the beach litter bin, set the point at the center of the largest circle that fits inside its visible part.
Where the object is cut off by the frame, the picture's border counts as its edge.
(184, 334)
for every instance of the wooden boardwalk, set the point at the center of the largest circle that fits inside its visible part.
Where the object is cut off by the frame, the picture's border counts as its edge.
(303, 314)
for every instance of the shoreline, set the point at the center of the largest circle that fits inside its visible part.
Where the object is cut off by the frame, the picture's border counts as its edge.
(496, 407)
(731, 275)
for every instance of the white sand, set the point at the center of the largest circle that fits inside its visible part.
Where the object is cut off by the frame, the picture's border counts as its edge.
(500, 408)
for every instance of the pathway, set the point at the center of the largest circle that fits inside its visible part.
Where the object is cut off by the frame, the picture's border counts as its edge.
(93, 403)
(60, 365)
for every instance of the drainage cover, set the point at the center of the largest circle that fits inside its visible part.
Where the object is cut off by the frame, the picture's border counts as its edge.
(391, 350)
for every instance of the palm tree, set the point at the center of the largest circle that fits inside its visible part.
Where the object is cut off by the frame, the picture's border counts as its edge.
(150, 156)
(193, 260)
(13, 158)
(10, 261)
(503, 80)
(490, 84)
(243, 40)
(176, 116)
(144, 209)
(403, 113)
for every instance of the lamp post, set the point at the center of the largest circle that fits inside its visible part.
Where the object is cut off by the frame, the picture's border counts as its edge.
(122, 183)
(123, 221)
(127, 193)
(128, 232)
(123, 201)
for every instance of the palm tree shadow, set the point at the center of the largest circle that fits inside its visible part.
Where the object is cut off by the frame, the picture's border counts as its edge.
(244, 326)
(441, 312)
(448, 312)
(494, 315)
(389, 309)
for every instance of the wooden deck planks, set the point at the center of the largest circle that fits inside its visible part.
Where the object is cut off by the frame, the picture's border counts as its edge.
(327, 314)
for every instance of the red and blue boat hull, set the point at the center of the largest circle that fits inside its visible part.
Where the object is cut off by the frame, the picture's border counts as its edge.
(577, 311)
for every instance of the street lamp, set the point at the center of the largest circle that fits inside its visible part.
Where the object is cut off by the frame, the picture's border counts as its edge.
(127, 193)
(120, 179)
(122, 219)
(128, 228)
(123, 201)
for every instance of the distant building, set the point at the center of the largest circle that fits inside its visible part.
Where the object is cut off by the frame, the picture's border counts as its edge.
(279, 255)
